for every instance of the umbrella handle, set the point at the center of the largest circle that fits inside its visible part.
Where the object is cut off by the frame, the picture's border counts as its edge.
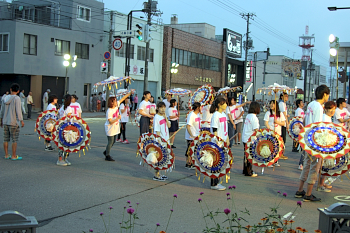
(176, 132)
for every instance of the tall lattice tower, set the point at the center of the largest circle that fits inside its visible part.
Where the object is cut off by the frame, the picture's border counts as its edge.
(306, 42)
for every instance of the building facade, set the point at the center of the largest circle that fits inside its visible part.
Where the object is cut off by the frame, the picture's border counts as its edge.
(37, 34)
(137, 55)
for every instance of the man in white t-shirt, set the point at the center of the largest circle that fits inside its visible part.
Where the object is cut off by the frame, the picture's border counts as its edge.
(167, 104)
(299, 112)
(46, 99)
(311, 166)
(342, 115)
(283, 109)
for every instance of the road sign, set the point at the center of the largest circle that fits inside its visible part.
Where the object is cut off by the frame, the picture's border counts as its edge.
(127, 33)
(107, 55)
(117, 44)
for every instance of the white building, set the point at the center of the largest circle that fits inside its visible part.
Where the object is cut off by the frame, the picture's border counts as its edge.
(138, 54)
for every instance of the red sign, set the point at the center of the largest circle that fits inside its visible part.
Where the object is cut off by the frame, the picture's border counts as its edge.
(117, 44)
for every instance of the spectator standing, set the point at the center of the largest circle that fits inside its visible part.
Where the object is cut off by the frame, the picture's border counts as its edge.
(10, 118)
(132, 102)
(104, 101)
(94, 103)
(136, 100)
(167, 104)
(4, 96)
(29, 105)
(92, 95)
(99, 101)
(23, 99)
(46, 99)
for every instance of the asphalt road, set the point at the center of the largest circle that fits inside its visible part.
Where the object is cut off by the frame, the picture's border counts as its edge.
(70, 199)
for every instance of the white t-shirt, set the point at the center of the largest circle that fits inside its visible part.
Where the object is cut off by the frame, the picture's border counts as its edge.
(51, 107)
(46, 95)
(271, 119)
(251, 123)
(283, 109)
(76, 109)
(206, 115)
(236, 112)
(112, 129)
(326, 118)
(194, 121)
(22, 97)
(159, 125)
(314, 113)
(300, 112)
(167, 105)
(145, 106)
(63, 113)
(341, 114)
(125, 114)
(219, 121)
(173, 112)
(104, 96)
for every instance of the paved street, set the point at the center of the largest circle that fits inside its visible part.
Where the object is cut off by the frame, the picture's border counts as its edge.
(70, 199)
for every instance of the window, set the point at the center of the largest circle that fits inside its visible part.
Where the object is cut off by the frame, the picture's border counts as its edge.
(122, 52)
(177, 56)
(62, 47)
(214, 64)
(200, 61)
(141, 53)
(181, 57)
(151, 55)
(29, 44)
(4, 42)
(29, 14)
(82, 50)
(194, 60)
(84, 13)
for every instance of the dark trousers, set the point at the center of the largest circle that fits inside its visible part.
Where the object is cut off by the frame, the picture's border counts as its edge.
(295, 146)
(284, 134)
(144, 124)
(247, 166)
(135, 106)
(29, 106)
(111, 141)
(214, 182)
(122, 130)
(231, 132)
(188, 160)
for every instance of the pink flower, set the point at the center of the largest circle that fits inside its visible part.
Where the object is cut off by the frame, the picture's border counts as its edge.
(130, 211)
(91, 230)
(175, 195)
(299, 203)
(201, 193)
(285, 194)
(228, 198)
(128, 202)
(232, 187)
(101, 213)
(200, 199)
(227, 211)
(227, 194)
(110, 207)
(158, 224)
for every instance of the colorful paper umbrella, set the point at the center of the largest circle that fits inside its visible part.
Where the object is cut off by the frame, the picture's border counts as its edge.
(71, 134)
(202, 95)
(152, 143)
(178, 92)
(225, 90)
(294, 127)
(324, 140)
(264, 148)
(208, 147)
(45, 124)
(336, 167)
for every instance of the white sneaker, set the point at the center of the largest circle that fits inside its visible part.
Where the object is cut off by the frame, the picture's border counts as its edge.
(164, 177)
(271, 166)
(254, 175)
(300, 167)
(277, 164)
(324, 189)
(158, 178)
(68, 163)
(218, 187)
(61, 163)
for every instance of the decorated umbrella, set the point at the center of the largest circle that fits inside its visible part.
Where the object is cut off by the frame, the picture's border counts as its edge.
(205, 126)
(211, 156)
(178, 92)
(294, 127)
(324, 140)
(112, 81)
(155, 151)
(122, 92)
(336, 167)
(226, 90)
(202, 95)
(264, 147)
(45, 124)
(71, 134)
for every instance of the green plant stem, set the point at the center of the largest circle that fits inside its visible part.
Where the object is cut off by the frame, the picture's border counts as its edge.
(211, 214)
(155, 229)
(130, 223)
(122, 221)
(171, 212)
(109, 219)
(204, 216)
(133, 222)
(104, 223)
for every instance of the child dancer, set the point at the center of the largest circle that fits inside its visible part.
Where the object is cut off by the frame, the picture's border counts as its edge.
(299, 112)
(161, 127)
(65, 110)
(174, 119)
(193, 126)
(52, 106)
(76, 106)
(274, 121)
(218, 126)
(206, 115)
(144, 111)
(342, 115)
(251, 123)
(112, 126)
(124, 112)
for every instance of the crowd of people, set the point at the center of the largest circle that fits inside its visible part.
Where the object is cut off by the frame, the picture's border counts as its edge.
(223, 115)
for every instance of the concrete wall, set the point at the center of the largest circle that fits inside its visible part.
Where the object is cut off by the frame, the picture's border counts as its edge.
(200, 29)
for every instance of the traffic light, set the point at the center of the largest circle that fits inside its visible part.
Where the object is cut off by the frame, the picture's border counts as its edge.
(104, 67)
(147, 33)
(342, 76)
(140, 32)
(333, 44)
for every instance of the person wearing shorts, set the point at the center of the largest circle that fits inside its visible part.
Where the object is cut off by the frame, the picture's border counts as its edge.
(11, 118)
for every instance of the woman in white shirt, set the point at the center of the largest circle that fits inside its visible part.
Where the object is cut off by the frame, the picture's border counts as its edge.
(218, 126)
(193, 126)
(144, 111)
(299, 112)
(52, 106)
(206, 115)
(251, 123)
(274, 121)
(124, 111)
(174, 120)
(112, 126)
(76, 107)
(342, 115)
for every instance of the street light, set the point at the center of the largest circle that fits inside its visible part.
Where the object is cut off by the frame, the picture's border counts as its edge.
(333, 51)
(66, 63)
(174, 67)
(334, 8)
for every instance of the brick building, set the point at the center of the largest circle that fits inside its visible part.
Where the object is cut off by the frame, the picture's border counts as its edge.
(201, 60)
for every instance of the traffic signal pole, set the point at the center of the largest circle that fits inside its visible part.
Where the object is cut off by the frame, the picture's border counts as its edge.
(345, 75)
(149, 17)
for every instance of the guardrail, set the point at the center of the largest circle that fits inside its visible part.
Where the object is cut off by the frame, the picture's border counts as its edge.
(335, 218)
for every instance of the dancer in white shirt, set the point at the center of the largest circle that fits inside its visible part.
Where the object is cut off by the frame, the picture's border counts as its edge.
(299, 112)
(193, 126)
(174, 120)
(342, 115)
(52, 106)
(76, 106)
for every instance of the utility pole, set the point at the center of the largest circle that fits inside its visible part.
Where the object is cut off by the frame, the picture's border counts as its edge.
(264, 77)
(346, 73)
(246, 17)
(149, 17)
(110, 41)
